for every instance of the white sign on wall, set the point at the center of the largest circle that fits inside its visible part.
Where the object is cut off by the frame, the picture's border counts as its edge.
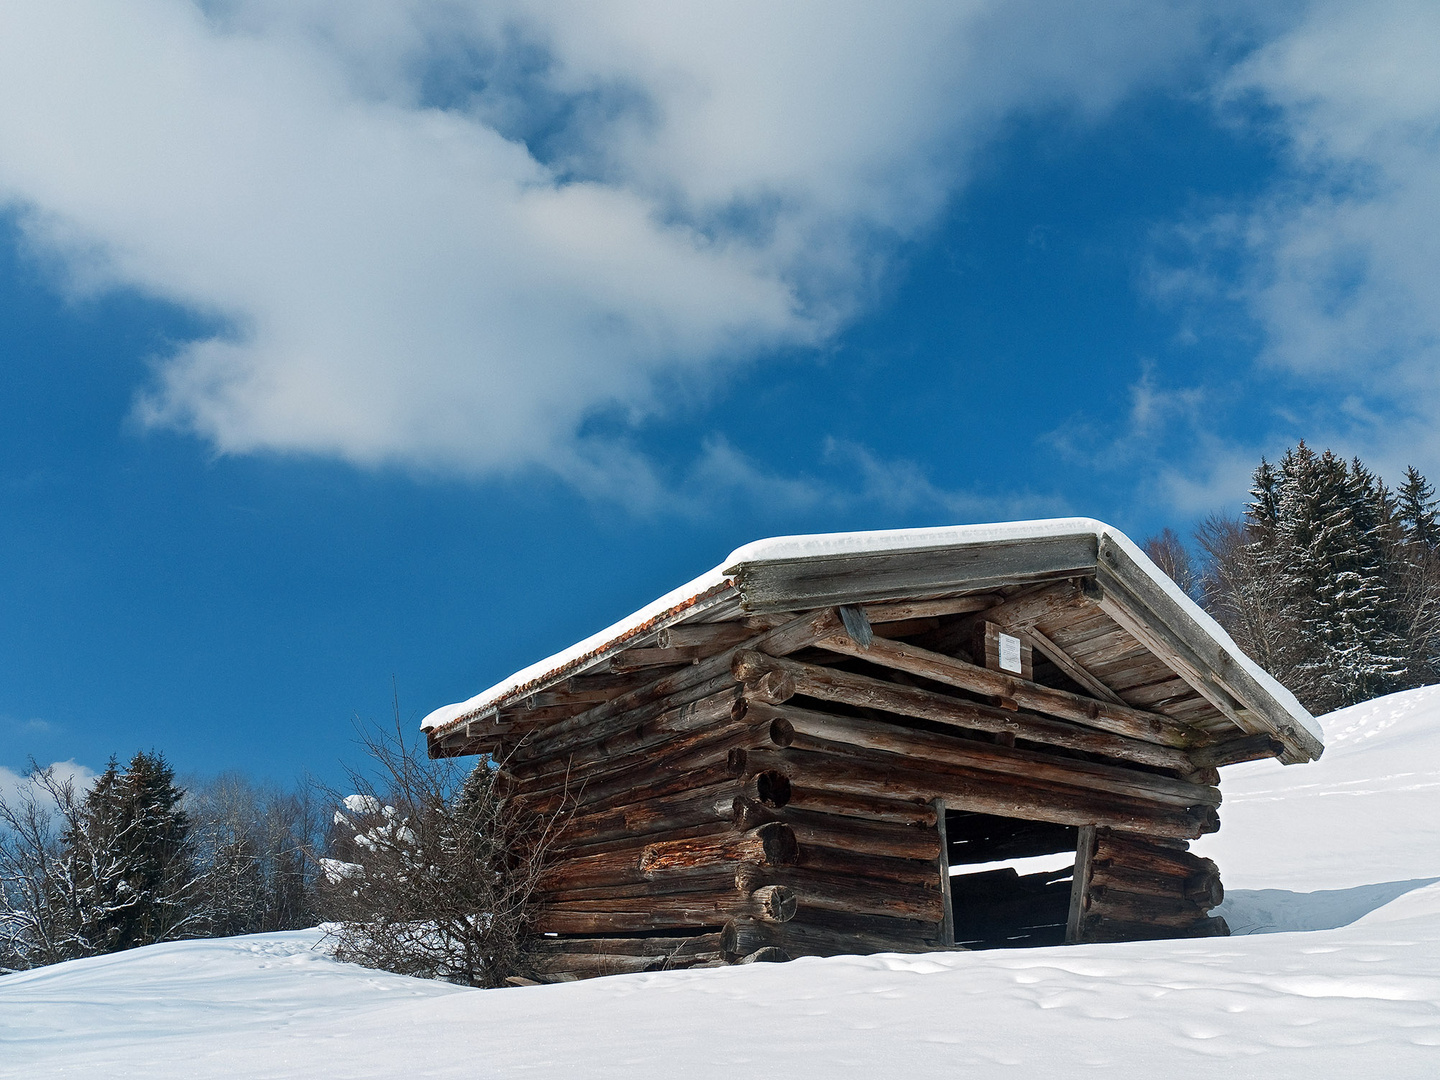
(1010, 653)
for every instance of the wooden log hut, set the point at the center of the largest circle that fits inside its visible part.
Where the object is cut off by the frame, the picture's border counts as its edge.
(866, 742)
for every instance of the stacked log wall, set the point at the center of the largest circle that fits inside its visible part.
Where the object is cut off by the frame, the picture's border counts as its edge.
(1144, 887)
(779, 807)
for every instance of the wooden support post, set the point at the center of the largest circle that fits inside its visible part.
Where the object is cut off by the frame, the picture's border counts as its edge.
(947, 923)
(1080, 885)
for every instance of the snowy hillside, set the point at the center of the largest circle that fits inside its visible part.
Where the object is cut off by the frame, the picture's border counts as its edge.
(1346, 850)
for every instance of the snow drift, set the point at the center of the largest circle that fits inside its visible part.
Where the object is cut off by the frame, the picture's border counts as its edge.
(1333, 878)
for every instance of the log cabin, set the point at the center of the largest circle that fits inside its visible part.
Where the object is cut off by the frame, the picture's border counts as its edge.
(981, 736)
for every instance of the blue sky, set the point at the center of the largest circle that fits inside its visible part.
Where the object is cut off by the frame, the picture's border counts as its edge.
(350, 346)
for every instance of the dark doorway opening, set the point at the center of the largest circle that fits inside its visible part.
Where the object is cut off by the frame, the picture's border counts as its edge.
(1010, 880)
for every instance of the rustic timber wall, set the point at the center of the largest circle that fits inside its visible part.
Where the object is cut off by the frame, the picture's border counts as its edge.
(802, 786)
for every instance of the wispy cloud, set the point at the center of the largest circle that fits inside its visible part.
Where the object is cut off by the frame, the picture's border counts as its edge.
(1335, 270)
(15, 785)
(442, 234)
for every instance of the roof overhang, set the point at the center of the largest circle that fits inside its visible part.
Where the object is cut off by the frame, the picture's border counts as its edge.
(798, 573)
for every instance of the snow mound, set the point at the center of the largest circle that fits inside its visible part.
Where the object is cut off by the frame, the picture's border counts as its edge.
(1346, 850)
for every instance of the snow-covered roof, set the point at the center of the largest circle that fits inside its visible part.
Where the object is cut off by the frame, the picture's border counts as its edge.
(722, 588)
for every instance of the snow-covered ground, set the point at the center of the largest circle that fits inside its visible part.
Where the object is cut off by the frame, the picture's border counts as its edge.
(1332, 871)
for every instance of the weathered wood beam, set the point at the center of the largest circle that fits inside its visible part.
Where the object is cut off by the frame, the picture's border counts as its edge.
(1072, 668)
(661, 694)
(885, 775)
(772, 903)
(1131, 595)
(942, 868)
(1080, 884)
(1104, 716)
(829, 684)
(1234, 751)
(803, 729)
(888, 576)
(905, 610)
(640, 659)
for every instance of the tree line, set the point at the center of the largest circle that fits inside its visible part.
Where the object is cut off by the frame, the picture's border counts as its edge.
(1329, 579)
(422, 868)
(136, 859)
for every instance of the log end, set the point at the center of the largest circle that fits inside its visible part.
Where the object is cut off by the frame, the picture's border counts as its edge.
(770, 954)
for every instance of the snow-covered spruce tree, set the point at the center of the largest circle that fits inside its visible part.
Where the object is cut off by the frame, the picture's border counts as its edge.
(1330, 539)
(128, 866)
(431, 871)
(1416, 511)
(1324, 582)
(1418, 540)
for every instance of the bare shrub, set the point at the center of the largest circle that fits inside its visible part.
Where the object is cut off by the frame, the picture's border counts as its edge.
(432, 872)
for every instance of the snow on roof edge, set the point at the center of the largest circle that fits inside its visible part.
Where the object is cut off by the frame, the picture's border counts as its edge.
(821, 545)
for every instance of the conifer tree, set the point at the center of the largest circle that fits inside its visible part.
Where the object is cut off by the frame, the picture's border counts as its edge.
(1327, 581)
(1416, 510)
(130, 867)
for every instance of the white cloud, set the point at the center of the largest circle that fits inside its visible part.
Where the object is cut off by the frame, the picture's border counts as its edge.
(441, 234)
(1344, 261)
(14, 785)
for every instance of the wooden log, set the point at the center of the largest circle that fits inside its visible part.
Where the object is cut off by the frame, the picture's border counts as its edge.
(1044, 604)
(674, 947)
(878, 925)
(807, 730)
(855, 835)
(1141, 853)
(800, 938)
(768, 955)
(870, 867)
(772, 844)
(772, 904)
(668, 855)
(667, 750)
(637, 780)
(627, 885)
(1142, 908)
(1101, 715)
(1099, 929)
(855, 773)
(1232, 751)
(564, 967)
(1202, 888)
(607, 797)
(942, 871)
(1130, 595)
(906, 610)
(712, 636)
(1081, 877)
(884, 576)
(770, 687)
(695, 807)
(618, 863)
(1072, 668)
(557, 740)
(713, 711)
(817, 890)
(870, 807)
(863, 691)
(796, 634)
(640, 659)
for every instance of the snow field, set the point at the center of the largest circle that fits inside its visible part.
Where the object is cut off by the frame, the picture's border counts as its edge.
(1332, 868)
